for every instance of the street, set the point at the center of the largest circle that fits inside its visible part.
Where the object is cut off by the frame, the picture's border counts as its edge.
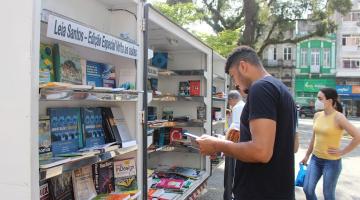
(349, 181)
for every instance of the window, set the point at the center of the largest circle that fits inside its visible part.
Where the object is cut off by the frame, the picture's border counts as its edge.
(315, 57)
(287, 53)
(351, 63)
(274, 56)
(351, 40)
(352, 16)
(326, 57)
(303, 57)
(344, 41)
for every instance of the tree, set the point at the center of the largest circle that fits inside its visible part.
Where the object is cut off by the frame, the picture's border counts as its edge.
(265, 22)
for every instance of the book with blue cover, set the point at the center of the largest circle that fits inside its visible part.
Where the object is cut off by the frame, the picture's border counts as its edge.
(44, 139)
(94, 71)
(92, 126)
(65, 125)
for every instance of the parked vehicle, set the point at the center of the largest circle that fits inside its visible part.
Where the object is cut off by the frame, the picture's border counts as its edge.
(306, 111)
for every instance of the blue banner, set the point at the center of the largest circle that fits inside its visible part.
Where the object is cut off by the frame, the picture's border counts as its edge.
(344, 89)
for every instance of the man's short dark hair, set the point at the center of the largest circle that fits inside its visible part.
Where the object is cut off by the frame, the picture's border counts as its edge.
(242, 53)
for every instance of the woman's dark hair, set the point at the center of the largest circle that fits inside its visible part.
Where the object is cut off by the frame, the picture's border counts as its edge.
(330, 93)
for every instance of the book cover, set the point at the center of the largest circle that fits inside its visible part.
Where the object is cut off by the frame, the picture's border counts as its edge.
(184, 88)
(111, 132)
(92, 127)
(194, 88)
(108, 76)
(125, 176)
(94, 72)
(67, 65)
(44, 139)
(44, 191)
(84, 188)
(104, 177)
(61, 187)
(160, 60)
(46, 65)
(175, 135)
(65, 126)
(169, 183)
(119, 118)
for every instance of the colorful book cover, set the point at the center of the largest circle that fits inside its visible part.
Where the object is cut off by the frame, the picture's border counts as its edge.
(44, 191)
(175, 135)
(194, 88)
(44, 139)
(61, 187)
(94, 73)
(169, 183)
(92, 126)
(184, 88)
(125, 176)
(46, 65)
(108, 76)
(111, 132)
(104, 177)
(65, 125)
(84, 188)
(67, 65)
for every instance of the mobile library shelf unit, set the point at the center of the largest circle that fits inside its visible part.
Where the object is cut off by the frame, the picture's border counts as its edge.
(188, 59)
(92, 28)
(219, 98)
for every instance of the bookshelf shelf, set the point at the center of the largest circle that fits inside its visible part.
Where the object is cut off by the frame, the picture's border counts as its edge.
(181, 73)
(170, 98)
(218, 99)
(78, 162)
(176, 124)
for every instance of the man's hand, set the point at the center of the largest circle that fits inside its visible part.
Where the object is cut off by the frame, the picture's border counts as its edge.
(207, 144)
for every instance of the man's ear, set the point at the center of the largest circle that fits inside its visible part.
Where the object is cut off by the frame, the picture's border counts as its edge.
(243, 67)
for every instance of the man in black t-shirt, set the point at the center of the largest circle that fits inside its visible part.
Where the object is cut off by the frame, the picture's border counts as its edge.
(265, 153)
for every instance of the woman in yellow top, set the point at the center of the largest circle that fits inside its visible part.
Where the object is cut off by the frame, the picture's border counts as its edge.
(329, 126)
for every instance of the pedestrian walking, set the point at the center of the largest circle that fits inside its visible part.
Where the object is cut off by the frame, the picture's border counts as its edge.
(328, 129)
(236, 104)
(265, 154)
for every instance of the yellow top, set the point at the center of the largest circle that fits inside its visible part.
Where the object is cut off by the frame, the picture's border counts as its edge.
(327, 135)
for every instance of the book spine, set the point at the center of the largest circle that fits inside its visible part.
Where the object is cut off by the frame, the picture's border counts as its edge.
(96, 177)
(57, 65)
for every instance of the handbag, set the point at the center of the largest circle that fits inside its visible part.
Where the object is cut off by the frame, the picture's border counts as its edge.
(300, 178)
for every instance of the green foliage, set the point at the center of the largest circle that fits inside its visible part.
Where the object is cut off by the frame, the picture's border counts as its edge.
(223, 43)
(181, 13)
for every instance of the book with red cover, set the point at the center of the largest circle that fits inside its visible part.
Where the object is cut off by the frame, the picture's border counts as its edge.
(169, 183)
(195, 88)
(175, 135)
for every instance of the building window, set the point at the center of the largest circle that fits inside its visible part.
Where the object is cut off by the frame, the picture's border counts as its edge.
(287, 53)
(352, 16)
(351, 63)
(351, 40)
(274, 56)
(303, 57)
(326, 55)
(315, 57)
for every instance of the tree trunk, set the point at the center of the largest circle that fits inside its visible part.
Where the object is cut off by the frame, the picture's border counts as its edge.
(250, 11)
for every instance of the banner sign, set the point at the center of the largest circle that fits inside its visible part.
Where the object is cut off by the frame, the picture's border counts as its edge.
(68, 31)
(344, 89)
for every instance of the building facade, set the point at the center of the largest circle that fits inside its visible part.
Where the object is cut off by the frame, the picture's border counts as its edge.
(279, 61)
(315, 68)
(348, 60)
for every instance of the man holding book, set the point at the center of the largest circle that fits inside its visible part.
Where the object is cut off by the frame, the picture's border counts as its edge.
(265, 154)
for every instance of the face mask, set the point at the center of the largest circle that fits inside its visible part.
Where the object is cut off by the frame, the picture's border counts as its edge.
(319, 105)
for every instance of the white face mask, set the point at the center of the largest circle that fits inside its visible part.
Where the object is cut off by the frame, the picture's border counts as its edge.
(319, 105)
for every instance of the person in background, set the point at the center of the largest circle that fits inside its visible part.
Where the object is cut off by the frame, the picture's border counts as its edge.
(329, 126)
(236, 104)
(265, 153)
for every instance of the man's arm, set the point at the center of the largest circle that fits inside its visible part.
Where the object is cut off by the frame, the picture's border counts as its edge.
(258, 150)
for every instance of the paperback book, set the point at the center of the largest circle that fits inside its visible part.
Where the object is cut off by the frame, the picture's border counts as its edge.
(44, 139)
(94, 71)
(126, 139)
(67, 65)
(46, 68)
(65, 124)
(125, 176)
(61, 187)
(104, 177)
(92, 127)
(44, 191)
(111, 132)
(84, 188)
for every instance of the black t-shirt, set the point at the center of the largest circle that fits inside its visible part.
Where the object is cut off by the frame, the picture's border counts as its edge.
(268, 98)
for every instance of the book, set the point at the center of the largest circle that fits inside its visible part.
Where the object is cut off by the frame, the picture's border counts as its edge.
(44, 191)
(92, 127)
(126, 139)
(84, 188)
(67, 65)
(119, 197)
(104, 177)
(194, 88)
(111, 132)
(175, 135)
(125, 176)
(94, 71)
(168, 196)
(108, 76)
(65, 125)
(169, 183)
(46, 65)
(44, 139)
(61, 187)
(184, 88)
